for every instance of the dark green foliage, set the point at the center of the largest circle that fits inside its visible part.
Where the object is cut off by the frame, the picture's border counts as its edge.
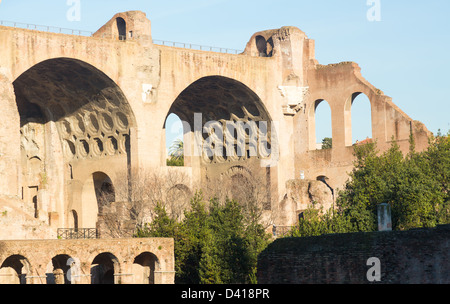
(175, 162)
(216, 243)
(315, 223)
(164, 226)
(327, 143)
(416, 186)
(219, 242)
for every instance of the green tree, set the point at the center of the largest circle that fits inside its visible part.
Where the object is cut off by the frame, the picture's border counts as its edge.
(210, 271)
(315, 222)
(176, 153)
(327, 143)
(166, 227)
(195, 228)
(374, 180)
(162, 226)
(256, 237)
(416, 186)
(226, 222)
(311, 224)
(438, 158)
(215, 243)
(423, 198)
(173, 162)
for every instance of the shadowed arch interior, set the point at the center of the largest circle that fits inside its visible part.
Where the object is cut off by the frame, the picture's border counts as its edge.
(92, 114)
(60, 266)
(148, 263)
(104, 189)
(20, 265)
(72, 115)
(221, 99)
(103, 268)
(121, 28)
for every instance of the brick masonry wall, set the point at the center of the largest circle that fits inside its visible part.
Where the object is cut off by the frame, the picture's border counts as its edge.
(419, 256)
(38, 254)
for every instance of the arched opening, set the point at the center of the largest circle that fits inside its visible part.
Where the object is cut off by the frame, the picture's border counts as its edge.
(104, 189)
(226, 125)
(121, 28)
(321, 132)
(174, 141)
(358, 120)
(104, 268)
(361, 119)
(14, 270)
(144, 267)
(264, 47)
(97, 195)
(58, 271)
(71, 114)
(223, 122)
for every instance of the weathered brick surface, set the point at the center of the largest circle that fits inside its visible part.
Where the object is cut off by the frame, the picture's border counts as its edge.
(75, 106)
(409, 257)
(38, 255)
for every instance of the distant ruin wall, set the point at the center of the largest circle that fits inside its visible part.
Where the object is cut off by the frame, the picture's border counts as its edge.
(418, 256)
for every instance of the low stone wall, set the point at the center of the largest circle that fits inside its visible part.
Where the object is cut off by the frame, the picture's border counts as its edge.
(418, 256)
(119, 261)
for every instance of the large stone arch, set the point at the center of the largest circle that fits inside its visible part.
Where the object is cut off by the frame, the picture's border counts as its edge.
(28, 62)
(69, 92)
(221, 99)
(74, 117)
(225, 124)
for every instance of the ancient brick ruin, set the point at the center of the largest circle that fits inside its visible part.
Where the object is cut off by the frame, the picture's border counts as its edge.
(82, 115)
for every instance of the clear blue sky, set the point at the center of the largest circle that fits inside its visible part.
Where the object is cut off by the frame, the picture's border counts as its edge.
(406, 54)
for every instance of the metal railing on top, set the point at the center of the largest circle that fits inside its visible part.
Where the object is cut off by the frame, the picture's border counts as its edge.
(45, 28)
(77, 233)
(197, 47)
(281, 231)
(59, 30)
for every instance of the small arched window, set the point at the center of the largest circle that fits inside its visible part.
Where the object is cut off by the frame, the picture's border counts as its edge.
(122, 28)
(175, 141)
(261, 45)
(265, 47)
